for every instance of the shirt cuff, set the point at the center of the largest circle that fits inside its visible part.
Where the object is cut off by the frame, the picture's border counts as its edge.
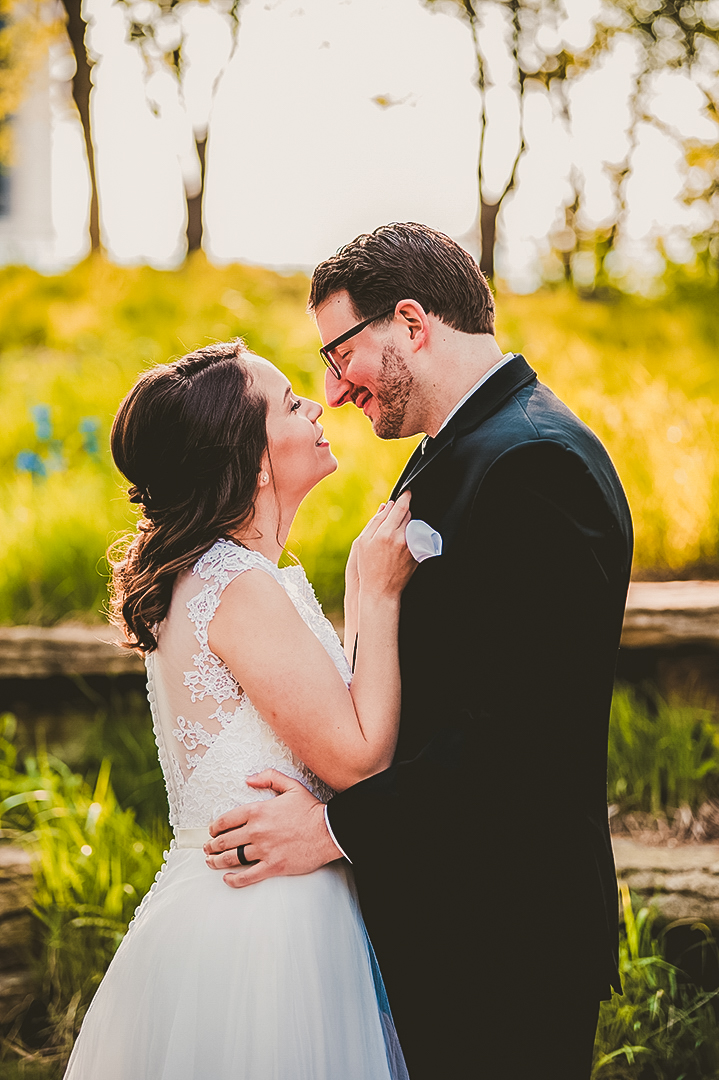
(334, 838)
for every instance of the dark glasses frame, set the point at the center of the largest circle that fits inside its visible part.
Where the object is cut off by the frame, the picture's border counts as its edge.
(326, 350)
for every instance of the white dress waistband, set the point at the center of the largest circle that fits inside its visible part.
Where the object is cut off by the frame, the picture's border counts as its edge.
(191, 838)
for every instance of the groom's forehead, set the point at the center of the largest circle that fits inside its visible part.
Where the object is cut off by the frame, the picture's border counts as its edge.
(335, 315)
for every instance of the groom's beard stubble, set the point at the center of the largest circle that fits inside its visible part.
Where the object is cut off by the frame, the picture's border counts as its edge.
(394, 389)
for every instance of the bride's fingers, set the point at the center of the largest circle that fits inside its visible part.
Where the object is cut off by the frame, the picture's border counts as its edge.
(399, 515)
(374, 522)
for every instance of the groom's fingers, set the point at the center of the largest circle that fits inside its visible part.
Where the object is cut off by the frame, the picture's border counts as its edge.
(222, 852)
(274, 780)
(233, 819)
(224, 831)
(250, 876)
(231, 837)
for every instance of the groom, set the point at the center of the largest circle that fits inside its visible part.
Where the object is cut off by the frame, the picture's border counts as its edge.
(482, 856)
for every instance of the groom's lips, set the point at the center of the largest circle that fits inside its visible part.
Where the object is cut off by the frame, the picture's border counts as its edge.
(362, 400)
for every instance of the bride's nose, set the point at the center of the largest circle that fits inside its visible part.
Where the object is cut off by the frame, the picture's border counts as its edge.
(314, 410)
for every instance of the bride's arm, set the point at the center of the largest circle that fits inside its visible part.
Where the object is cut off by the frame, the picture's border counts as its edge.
(351, 604)
(289, 677)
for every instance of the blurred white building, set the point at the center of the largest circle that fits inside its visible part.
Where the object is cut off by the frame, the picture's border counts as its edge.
(27, 235)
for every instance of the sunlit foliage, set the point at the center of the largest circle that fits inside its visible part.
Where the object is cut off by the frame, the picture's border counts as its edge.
(641, 373)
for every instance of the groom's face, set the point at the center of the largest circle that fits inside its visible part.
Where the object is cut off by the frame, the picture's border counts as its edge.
(374, 373)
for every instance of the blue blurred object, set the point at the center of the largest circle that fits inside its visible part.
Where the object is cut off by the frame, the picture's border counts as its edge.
(30, 462)
(88, 427)
(43, 424)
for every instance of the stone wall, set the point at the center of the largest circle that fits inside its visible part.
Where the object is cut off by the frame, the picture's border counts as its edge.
(16, 929)
(682, 881)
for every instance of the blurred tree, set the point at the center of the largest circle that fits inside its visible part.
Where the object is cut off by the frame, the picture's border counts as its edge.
(664, 37)
(516, 42)
(164, 32)
(668, 36)
(26, 29)
(81, 90)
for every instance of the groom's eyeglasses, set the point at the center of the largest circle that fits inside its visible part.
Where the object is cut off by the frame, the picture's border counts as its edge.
(327, 350)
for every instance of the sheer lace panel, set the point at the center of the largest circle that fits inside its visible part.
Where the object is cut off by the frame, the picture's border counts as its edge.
(210, 736)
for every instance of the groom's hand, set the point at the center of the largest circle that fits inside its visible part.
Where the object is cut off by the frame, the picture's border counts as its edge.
(282, 836)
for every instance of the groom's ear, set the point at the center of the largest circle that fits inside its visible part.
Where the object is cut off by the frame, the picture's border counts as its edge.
(413, 323)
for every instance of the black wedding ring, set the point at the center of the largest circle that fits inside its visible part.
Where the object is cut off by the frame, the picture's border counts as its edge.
(241, 856)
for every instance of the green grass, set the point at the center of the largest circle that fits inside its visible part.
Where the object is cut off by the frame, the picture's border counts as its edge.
(93, 864)
(663, 1027)
(641, 373)
(30, 1070)
(662, 754)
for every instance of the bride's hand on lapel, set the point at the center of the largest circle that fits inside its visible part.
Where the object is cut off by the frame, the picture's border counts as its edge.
(378, 548)
(383, 560)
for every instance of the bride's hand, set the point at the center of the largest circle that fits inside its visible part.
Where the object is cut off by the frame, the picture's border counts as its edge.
(384, 562)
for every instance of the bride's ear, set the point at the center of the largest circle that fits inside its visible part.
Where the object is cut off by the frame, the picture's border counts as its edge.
(265, 473)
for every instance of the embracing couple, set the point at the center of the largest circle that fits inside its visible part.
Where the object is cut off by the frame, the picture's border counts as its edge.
(408, 869)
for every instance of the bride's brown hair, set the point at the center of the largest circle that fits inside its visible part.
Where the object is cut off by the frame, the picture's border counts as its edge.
(190, 437)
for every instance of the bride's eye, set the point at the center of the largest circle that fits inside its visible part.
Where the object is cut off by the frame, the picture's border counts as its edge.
(295, 405)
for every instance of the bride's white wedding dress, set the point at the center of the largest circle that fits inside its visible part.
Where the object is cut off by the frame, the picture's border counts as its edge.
(276, 981)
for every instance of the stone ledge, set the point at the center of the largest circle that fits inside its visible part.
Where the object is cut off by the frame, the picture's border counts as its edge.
(660, 614)
(667, 613)
(38, 652)
(682, 881)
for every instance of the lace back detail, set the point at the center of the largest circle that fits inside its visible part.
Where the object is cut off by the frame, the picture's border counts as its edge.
(208, 748)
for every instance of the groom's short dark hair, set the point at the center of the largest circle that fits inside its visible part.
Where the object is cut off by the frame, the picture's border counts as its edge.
(408, 261)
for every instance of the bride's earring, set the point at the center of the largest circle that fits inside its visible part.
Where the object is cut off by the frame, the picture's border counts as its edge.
(265, 478)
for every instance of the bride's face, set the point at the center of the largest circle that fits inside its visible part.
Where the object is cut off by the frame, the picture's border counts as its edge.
(299, 453)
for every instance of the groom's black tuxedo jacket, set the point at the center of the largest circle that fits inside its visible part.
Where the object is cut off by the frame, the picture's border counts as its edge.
(487, 841)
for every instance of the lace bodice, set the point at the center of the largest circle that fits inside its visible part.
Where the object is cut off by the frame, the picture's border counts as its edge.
(209, 735)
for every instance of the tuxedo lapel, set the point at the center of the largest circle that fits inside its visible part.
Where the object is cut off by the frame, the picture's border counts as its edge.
(414, 459)
(426, 451)
(482, 404)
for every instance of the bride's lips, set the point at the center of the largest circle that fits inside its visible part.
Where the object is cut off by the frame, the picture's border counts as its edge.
(322, 441)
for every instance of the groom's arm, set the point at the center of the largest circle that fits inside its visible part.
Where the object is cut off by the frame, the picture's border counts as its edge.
(539, 596)
(286, 835)
(540, 551)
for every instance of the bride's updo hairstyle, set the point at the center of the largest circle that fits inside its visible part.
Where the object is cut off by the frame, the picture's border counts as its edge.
(190, 438)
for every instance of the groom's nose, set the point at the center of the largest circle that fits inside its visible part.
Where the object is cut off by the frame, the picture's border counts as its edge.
(337, 391)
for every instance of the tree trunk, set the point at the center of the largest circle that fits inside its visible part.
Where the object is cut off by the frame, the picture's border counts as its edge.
(81, 88)
(194, 202)
(488, 236)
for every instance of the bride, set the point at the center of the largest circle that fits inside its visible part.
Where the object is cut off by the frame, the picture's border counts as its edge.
(277, 981)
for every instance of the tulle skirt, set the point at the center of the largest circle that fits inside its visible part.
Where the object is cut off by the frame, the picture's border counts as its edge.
(276, 981)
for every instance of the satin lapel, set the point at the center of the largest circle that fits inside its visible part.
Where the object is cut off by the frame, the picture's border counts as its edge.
(490, 397)
(422, 458)
(415, 457)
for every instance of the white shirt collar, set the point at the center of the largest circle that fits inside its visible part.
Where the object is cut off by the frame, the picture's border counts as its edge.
(487, 375)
